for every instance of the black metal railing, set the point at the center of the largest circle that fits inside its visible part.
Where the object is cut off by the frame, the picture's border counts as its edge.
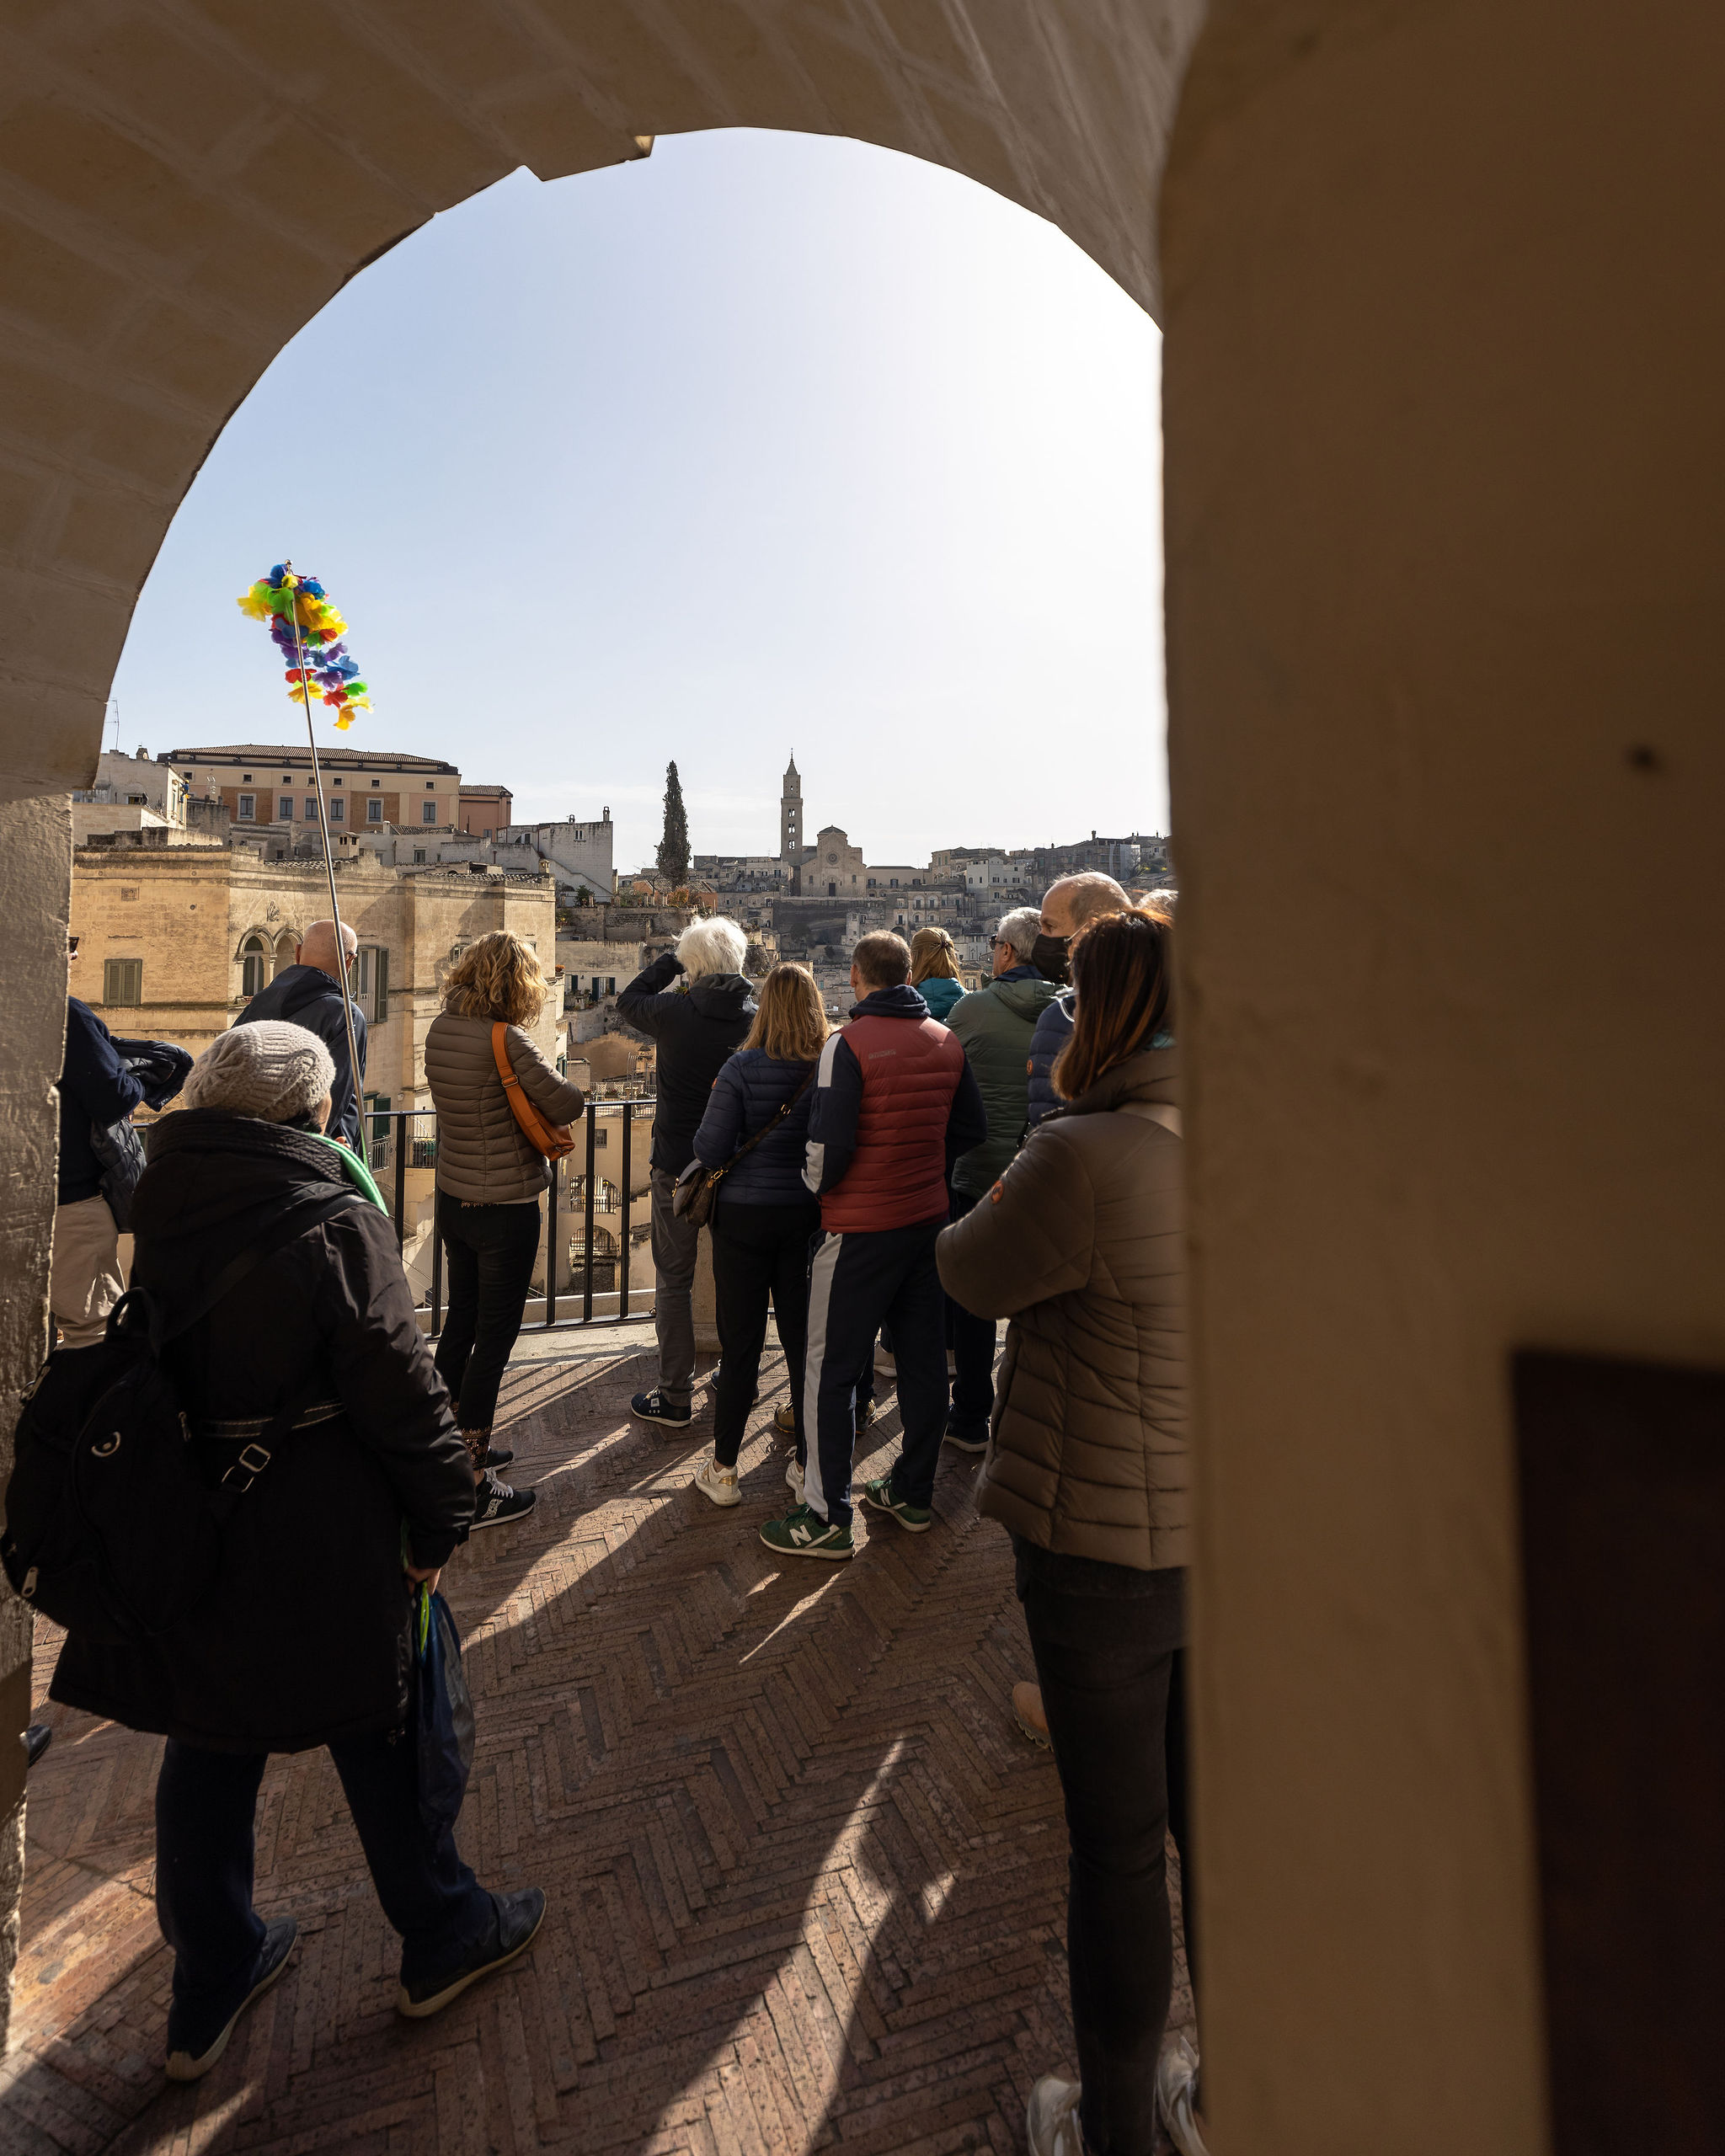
(391, 1149)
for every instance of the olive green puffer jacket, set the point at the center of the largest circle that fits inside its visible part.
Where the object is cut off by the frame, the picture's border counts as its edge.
(994, 1023)
(1081, 1244)
(483, 1153)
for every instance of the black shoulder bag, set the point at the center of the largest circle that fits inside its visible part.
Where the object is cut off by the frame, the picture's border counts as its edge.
(696, 1186)
(111, 1528)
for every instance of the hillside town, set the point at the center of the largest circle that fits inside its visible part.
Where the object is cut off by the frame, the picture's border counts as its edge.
(195, 869)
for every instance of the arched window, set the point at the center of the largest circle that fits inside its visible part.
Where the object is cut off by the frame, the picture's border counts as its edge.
(254, 966)
(286, 945)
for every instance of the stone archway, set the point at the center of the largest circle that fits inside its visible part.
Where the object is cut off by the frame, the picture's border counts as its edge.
(1444, 573)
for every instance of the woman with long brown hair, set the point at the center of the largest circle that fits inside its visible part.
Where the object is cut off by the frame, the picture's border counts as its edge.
(489, 1176)
(1081, 1245)
(765, 1215)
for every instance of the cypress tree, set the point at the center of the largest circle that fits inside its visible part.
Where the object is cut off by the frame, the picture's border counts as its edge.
(674, 846)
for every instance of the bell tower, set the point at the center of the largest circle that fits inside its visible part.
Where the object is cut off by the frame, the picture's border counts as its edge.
(790, 817)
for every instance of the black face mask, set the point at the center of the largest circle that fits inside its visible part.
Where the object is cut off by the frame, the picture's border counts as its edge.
(1048, 954)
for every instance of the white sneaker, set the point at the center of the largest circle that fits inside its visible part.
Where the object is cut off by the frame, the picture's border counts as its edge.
(886, 1363)
(1051, 2127)
(1176, 2094)
(717, 1483)
(793, 1476)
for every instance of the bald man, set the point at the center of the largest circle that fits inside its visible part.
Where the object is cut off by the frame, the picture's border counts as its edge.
(309, 993)
(1066, 906)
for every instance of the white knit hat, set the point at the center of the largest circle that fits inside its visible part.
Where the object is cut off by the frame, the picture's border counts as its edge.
(268, 1069)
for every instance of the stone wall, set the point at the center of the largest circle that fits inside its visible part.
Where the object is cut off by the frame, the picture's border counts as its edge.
(35, 866)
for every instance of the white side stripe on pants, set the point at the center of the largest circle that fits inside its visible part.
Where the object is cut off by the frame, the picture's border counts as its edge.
(821, 1269)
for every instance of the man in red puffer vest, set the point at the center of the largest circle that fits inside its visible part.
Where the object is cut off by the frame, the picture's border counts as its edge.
(894, 1104)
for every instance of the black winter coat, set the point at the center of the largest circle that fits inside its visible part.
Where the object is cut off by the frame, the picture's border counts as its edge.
(308, 996)
(697, 1028)
(303, 1638)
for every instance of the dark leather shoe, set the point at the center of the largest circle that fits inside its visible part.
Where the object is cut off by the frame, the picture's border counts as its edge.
(519, 1917)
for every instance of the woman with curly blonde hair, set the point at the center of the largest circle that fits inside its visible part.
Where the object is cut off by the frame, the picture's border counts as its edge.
(489, 1176)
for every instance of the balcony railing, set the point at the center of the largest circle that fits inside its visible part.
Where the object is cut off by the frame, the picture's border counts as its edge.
(399, 1139)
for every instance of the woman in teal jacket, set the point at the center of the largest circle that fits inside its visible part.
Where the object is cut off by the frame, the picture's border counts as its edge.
(934, 971)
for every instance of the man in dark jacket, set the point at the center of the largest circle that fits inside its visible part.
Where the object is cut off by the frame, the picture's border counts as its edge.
(698, 1022)
(99, 1087)
(304, 1637)
(1066, 906)
(309, 993)
(995, 1025)
(894, 1105)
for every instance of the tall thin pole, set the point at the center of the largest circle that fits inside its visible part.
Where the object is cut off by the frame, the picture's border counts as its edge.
(347, 1005)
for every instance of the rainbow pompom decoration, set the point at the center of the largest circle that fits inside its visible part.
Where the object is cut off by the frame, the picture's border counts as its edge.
(317, 661)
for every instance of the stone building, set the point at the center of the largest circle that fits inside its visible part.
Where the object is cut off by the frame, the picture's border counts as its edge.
(269, 784)
(173, 940)
(484, 810)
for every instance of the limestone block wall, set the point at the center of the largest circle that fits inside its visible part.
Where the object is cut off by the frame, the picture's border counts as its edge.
(35, 859)
(1444, 581)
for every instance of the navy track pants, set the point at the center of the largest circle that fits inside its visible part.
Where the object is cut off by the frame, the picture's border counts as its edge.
(857, 1283)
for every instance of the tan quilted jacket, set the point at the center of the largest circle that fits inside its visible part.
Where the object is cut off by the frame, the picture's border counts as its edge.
(1081, 1244)
(483, 1153)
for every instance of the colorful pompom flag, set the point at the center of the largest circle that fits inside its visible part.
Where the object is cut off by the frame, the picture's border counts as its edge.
(317, 661)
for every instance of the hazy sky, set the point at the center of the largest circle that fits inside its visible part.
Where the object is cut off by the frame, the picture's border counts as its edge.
(768, 442)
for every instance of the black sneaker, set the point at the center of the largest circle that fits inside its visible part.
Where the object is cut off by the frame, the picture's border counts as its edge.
(654, 1407)
(519, 1917)
(966, 1440)
(193, 2051)
(494, 1503)
(497, 1456)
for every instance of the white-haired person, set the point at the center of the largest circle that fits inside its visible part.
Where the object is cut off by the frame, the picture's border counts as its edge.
(302, 1639)
(489, 1177)
(697, 1005)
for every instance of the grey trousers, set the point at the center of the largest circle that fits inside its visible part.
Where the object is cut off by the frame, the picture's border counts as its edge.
(674, 1244)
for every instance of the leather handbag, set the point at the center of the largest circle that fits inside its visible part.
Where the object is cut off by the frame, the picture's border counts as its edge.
(696, 1188)
(555, 1141)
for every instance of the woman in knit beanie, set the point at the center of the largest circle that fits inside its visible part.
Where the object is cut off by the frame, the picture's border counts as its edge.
(308, 1389)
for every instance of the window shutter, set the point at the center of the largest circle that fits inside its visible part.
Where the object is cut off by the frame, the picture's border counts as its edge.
(380, 998)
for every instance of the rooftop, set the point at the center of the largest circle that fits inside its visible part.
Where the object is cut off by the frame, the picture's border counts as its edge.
(274, 752)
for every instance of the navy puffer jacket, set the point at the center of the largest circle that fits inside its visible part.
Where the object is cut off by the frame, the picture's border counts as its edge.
(1054, 1029)
(746, 1095)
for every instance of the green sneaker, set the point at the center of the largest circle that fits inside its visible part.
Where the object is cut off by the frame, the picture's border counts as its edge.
(915, 1519)
(803, 1533)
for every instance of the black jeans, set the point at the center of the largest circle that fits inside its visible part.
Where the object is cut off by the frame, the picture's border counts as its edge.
(489, 1251)
(973, 1344)
(1110, 1657)
(205, 1805)
(758, 1250)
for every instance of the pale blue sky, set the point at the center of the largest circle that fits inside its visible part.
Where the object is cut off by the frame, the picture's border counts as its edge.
(769, 441)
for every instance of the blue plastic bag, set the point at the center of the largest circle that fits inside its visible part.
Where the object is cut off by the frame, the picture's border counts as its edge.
(443, 1712)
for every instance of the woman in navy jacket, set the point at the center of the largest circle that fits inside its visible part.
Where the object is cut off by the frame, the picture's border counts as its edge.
(764, 1216)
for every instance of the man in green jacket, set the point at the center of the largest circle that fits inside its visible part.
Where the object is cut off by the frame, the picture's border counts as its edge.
(995, 1025)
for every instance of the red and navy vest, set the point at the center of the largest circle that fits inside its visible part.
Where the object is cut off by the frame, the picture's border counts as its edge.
(898, 1174)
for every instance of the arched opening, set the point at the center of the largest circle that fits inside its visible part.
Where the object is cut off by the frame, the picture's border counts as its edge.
(1445, 575)
(254, 966)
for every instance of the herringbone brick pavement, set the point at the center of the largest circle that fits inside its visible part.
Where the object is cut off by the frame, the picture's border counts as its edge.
(806, 1879)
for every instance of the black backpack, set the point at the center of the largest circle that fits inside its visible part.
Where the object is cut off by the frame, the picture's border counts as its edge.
(112, 1529)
